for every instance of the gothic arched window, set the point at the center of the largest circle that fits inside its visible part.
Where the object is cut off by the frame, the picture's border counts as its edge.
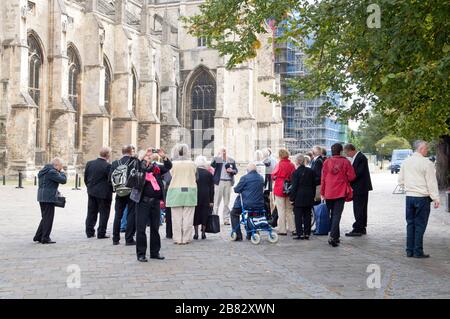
(203, 108)
(74, 90)
(158, 99)
(134, 91)
(108, 81)
(35, 61)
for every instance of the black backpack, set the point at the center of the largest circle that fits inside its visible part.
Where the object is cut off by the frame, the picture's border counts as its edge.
(119, 178)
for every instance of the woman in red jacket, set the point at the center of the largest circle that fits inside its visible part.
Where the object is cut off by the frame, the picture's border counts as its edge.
(337, 173)
(283, 171)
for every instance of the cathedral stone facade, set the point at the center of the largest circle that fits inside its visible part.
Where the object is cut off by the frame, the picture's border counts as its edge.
(76, 75)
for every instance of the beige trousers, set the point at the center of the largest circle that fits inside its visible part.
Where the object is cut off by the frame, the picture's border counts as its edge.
(285, 215)
(182, 224)
(222, 192)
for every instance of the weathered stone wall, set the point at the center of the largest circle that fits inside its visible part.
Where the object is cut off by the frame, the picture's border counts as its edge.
(148, 39)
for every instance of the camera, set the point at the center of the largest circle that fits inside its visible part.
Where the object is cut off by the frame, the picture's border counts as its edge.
(155, 150)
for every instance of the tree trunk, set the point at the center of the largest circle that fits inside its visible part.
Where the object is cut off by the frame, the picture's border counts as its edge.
(443, 162)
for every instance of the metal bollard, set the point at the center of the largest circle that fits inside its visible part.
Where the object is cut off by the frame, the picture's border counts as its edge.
(4, 180)
(448, 201)
(20, 180)
(77, 183)
(35, 180)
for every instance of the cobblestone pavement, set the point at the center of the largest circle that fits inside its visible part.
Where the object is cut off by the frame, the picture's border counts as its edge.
(216, 267)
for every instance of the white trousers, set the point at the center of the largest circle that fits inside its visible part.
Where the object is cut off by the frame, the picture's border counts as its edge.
(222, 192)
(183, 224)
(285, 215)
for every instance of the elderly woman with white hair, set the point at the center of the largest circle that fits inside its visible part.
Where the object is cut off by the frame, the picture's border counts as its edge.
(205, 195)
(301, 196)
(182, 194)
(258, 161)
(49, 179)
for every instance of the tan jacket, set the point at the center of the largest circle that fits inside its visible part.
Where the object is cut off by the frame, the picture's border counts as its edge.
(182, 190)
(418, 176)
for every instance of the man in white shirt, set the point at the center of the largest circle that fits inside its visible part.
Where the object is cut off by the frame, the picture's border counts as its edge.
(418, 177)
(316, 166)
(270, 162)
(224, 171)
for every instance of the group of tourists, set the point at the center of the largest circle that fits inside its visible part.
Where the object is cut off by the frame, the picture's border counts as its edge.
(147, 182)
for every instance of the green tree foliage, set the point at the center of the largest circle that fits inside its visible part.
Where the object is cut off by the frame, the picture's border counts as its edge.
(387, 144)
(400, 70)
(371, 131)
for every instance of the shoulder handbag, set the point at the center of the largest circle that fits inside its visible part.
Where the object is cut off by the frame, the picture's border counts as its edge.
(60, 201)
(348, 193)
(136, 179)
(274, 218)
(213, 224)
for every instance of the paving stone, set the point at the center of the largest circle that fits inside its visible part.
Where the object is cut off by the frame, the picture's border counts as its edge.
(216, 267)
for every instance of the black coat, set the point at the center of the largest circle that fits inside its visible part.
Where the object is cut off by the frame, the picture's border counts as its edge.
(316, 166)
(49, 180)
(136, 194)
(205, 187)
(96, 178)
(303, 188)
(362, 184)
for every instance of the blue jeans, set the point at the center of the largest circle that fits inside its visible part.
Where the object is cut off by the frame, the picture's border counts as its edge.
(417, 213)
(123, 222)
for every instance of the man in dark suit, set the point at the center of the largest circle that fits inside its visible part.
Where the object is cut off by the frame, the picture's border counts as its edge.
(96, 178)
(129, 159)
(361, 187)
(316, 166)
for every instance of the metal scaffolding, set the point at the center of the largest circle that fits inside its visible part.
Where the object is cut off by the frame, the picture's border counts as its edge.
(303, 125)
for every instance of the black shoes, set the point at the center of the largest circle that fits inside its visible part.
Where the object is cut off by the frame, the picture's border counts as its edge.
(196, 237)
(306, 237)
(131, 243)
(142, 259)
(333, 242)
(203, 236)
(48, 242)
(353, 234)
(364, 232)
(90, 236)
(115, 243)
(103, 237)
(421, 256)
